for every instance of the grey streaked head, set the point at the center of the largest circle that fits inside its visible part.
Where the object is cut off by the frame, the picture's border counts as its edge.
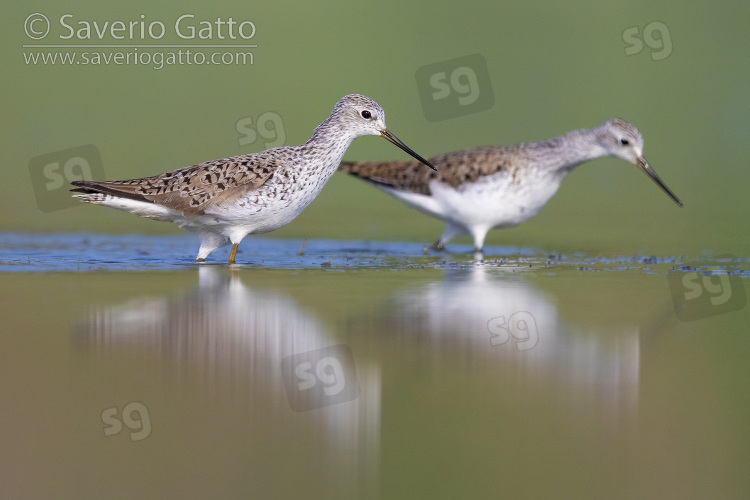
(360, 115)
(620, 138)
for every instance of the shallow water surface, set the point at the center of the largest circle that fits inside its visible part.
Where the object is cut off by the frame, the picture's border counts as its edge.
(369, 370)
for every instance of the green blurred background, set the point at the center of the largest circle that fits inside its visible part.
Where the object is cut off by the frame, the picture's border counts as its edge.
(553, 67)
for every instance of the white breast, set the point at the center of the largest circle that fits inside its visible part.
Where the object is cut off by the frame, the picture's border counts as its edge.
(493, 201)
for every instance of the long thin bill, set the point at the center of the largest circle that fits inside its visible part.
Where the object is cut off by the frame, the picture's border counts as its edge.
(643, 165)
(386, 134)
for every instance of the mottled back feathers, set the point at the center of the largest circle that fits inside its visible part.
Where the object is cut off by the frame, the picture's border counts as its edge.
(190, 189)
(453, 169)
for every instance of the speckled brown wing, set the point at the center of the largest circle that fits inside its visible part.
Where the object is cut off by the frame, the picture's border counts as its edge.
(453, 169)
(190, 189)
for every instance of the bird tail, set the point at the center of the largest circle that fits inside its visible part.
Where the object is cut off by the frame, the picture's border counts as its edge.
(98, 191)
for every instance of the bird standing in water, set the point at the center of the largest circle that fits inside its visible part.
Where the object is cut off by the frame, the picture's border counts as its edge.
(478, 189)
(222, 201)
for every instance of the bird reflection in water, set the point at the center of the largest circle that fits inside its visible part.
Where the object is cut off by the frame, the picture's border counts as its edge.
(232, 335)
(486, 316)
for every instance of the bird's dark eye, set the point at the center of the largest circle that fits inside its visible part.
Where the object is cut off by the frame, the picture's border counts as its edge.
(366, 115)
(624, 142)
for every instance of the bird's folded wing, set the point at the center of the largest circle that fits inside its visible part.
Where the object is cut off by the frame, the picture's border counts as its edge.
(453, 169)
(189, 190)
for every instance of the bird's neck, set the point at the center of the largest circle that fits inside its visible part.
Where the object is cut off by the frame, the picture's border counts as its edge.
(562, 154)
(331, 132)
(327, 146)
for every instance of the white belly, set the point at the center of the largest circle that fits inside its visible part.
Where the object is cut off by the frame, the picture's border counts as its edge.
(495, 201)
(266, 209)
